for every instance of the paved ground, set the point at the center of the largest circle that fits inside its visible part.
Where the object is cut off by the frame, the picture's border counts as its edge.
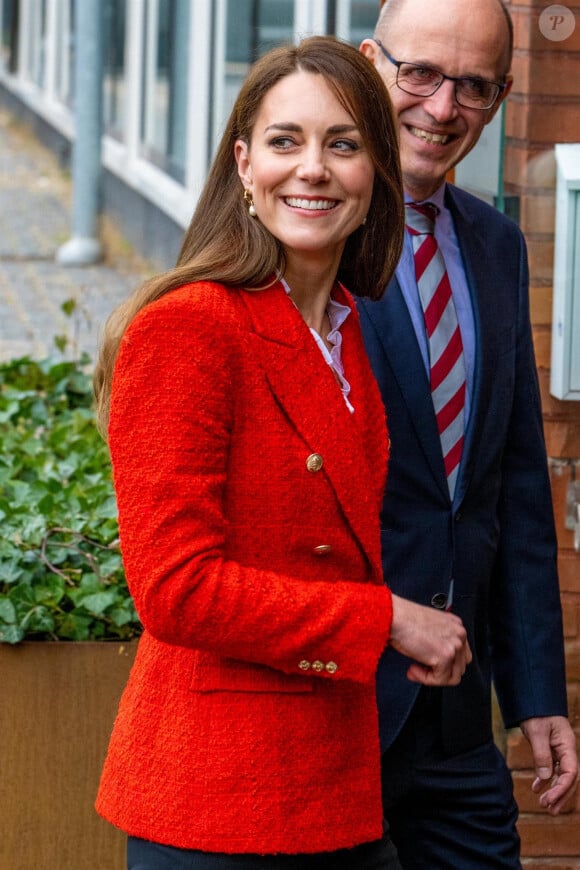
(35, 196)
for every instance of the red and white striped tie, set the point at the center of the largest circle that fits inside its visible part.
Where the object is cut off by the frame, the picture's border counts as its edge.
(445, 345)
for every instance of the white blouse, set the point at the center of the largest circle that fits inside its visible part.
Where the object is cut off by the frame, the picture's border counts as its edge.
(337, 314)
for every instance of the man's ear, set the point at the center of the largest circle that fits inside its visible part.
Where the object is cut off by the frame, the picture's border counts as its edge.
(509, 80)
(370, 49)
(242, 155)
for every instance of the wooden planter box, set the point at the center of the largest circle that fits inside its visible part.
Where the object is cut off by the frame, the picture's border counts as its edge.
(57, 706)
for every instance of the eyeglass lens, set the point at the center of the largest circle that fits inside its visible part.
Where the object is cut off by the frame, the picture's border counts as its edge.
(469, 92)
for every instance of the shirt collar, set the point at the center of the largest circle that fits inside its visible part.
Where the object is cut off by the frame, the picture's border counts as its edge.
(337, 312)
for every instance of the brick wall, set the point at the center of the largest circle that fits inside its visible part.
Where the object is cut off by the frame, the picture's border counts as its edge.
(543, 109)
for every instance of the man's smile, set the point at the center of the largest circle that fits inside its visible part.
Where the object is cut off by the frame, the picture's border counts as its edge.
(432, 138)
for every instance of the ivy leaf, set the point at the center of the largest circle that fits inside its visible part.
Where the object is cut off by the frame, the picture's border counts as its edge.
(38, 621)
(98, 602)
(61, 573)
(7, 611)
(10, 573)
(11, 633)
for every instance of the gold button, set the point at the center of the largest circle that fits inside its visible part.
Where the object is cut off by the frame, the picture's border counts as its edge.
(314, 462)
(331, 667)
(322, 549)
(317, 666)
(304, 665)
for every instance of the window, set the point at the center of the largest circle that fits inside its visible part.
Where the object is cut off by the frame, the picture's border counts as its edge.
(36, 34)
(362, 18)
(9, 47)
(64, 72)
(165, 91)
(252, 28)
(114, 83)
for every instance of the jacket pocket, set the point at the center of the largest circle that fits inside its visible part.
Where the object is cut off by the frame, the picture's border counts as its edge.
(212, 673)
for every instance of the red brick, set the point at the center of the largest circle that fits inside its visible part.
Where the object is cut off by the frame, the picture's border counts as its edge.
(561, 421)
(546, 73)
(550, 864)
(538, 212)
(522, 25)
(562, 437)
(572, 648)
(519, 754)
(543, 346)
(571, 615)
(553, 408)
(546, 836)
(561, 115)
(557, 409)
(536, 120)
(569, 571)
(527, 33)
(527, 168)
(541, 258)
(560, 475)
(541, 299)
(574, 705)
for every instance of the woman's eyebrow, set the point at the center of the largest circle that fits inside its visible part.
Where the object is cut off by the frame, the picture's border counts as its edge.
(296, 128)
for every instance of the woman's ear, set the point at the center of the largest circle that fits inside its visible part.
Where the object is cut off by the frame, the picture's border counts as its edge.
(242, 155)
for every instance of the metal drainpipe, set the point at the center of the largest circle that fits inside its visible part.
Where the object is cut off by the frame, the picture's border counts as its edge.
(84, 246)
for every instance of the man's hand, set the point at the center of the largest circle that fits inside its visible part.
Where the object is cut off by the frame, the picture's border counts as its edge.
(555, 759)
(436, 640)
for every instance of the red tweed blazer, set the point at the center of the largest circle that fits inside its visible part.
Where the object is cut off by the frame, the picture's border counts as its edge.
(249, 504)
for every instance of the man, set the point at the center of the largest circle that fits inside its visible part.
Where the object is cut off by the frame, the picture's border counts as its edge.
(467, 519)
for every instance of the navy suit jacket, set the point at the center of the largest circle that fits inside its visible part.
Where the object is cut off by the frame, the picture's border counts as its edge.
(498, 540)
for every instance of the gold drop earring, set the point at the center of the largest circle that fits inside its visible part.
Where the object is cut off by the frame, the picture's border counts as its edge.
(250, 203)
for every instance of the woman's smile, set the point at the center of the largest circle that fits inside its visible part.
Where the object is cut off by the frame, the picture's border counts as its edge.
(311, 205)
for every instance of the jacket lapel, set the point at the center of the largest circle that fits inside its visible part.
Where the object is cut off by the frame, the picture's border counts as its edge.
(307, 391)
(394, 329)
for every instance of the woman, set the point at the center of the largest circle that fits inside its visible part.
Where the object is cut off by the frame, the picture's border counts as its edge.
(249, 452)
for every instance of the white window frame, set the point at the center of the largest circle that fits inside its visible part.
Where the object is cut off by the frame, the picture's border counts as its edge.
(565, 362)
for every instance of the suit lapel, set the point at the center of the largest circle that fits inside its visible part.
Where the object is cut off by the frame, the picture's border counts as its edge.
(394, 328)
(305, 388)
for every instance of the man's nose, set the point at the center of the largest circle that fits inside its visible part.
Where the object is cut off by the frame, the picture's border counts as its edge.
(442, 105)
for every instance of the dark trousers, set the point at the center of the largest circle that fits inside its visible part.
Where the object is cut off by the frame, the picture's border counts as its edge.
(448, 813)
(143, 855)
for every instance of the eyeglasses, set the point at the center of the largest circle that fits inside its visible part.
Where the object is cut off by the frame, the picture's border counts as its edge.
(423, 81)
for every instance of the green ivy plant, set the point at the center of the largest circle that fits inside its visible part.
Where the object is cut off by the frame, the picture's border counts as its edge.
(61, 576)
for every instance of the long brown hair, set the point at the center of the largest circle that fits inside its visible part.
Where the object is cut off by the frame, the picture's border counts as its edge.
(224, 244)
